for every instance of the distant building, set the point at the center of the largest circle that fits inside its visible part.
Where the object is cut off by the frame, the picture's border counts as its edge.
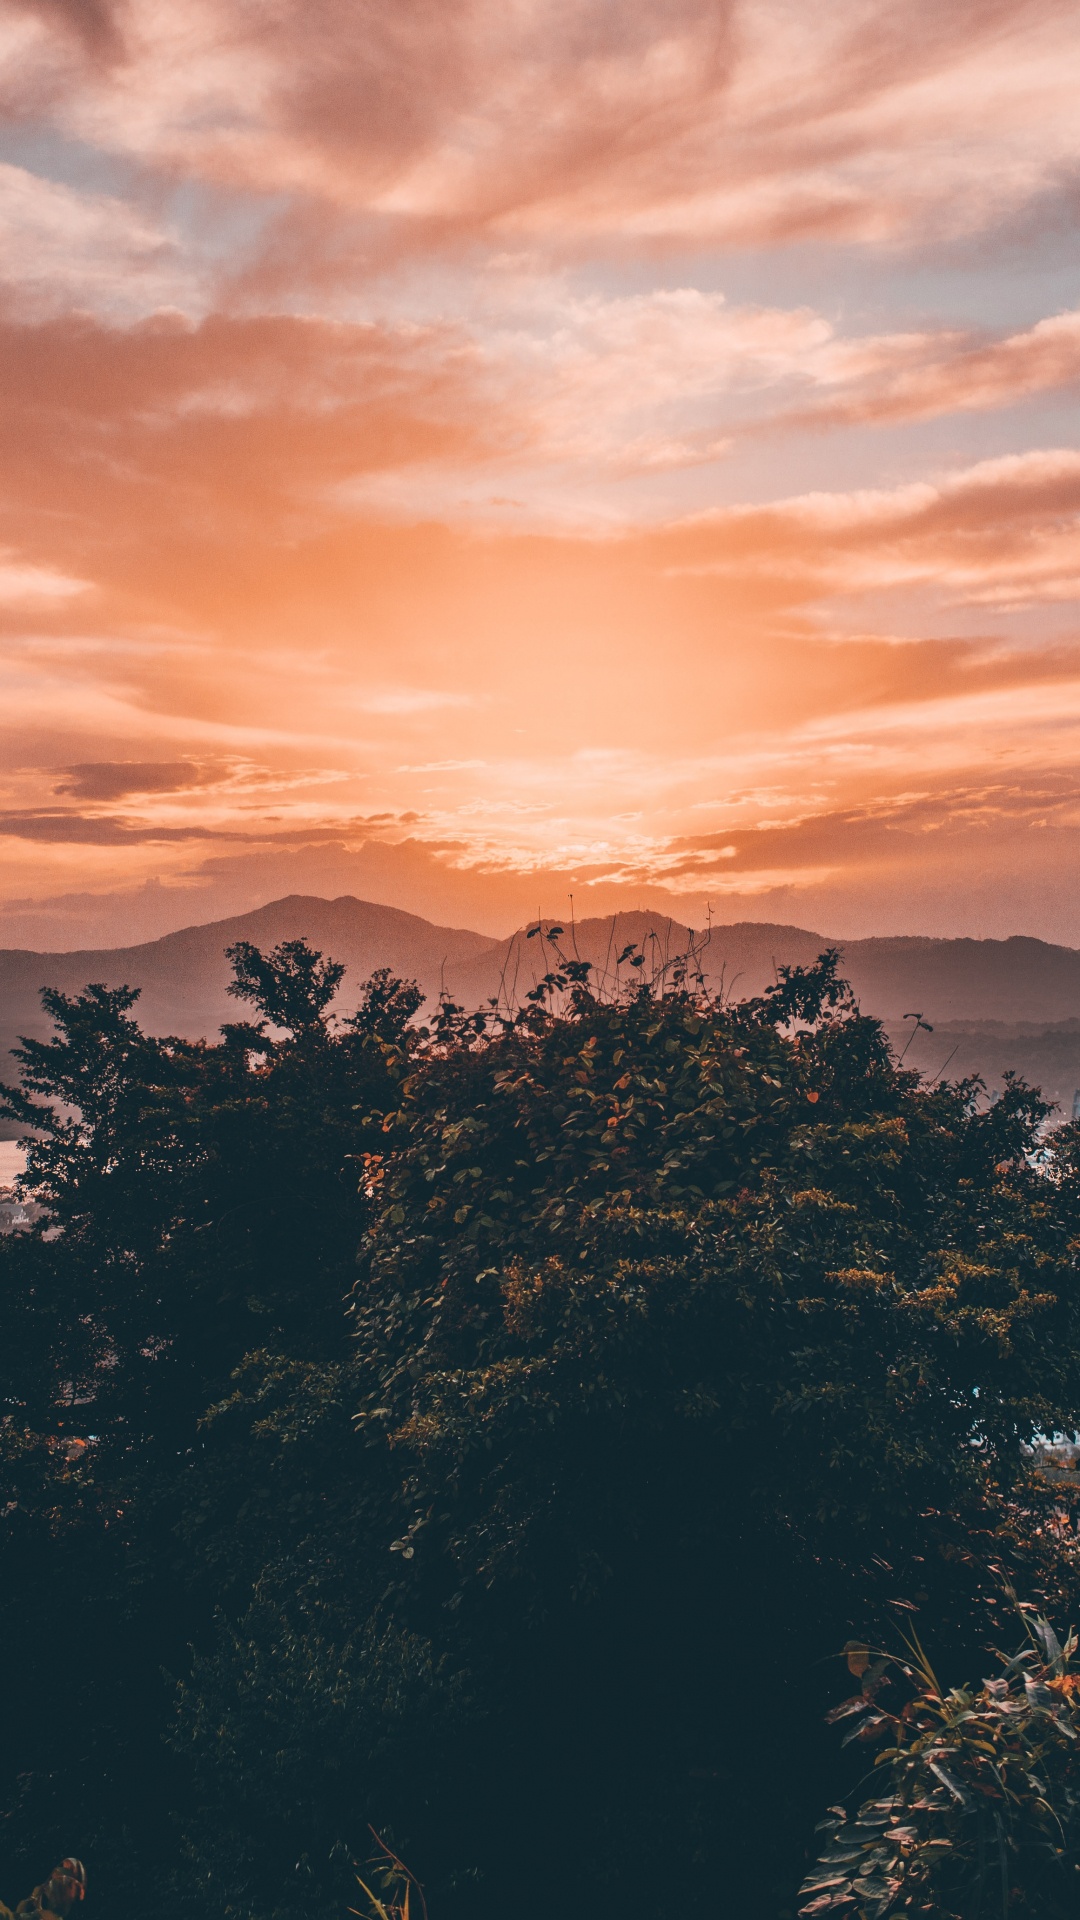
(15, 1214)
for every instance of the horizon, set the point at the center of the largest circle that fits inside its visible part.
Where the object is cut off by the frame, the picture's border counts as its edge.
(632, 457)
(987, 1008)
(510, 932)
(539, 956)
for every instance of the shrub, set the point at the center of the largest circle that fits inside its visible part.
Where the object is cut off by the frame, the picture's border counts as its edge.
(670, 1315)
(977, 1807)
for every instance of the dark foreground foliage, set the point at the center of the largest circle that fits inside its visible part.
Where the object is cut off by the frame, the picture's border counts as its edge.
(487, 1432)
(976, 1808)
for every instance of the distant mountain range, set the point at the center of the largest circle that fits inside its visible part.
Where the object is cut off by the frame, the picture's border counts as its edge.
(993, 1004)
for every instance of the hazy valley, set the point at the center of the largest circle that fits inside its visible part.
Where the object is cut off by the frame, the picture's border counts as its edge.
(993, 1005)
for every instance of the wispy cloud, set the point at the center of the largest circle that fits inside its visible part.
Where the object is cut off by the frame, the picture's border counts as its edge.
(693, 120)
(1005, 532)
(60, 249)
(920, 377)
(551, 445)
(24, 584)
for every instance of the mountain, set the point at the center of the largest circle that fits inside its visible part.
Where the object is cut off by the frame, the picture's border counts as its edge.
(1045, 1056)
(184, 976)
(993, 1004)
(509, 969)
(1011, 981)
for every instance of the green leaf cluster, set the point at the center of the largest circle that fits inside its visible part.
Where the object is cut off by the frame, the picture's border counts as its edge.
(977, 1808)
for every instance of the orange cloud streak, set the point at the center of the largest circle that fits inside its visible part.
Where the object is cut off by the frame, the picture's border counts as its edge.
(390, 470)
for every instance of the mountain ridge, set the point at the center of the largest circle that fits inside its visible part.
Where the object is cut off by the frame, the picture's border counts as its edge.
(987, 992)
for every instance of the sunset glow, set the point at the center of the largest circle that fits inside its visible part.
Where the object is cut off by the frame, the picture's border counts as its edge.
(469, 454)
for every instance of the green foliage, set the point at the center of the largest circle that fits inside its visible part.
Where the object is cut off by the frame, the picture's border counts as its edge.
(664, 1317)
(400, 1894)
(667, 1229)
(977, 1810)
(201, 1206)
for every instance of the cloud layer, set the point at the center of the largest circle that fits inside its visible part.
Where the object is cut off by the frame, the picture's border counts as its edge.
(477, 453)
(743, 120)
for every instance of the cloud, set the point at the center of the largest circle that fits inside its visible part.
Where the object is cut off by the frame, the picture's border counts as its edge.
(257, 415)
(890, 829)
(638, 383)
(895, 381)
(232, 782)
(91, 25)
(61, 248)
(241, 414)
(21, 583)
(115, 780)
(538, 413)
(430, 490)
(897, 863)
(670, 121)
(67, 827)
(1004, 532)
(406, 700)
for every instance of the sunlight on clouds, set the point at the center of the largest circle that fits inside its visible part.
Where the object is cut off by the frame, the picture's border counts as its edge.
(1005, 532)
(59, 249)
(407, 700)
(21, 583)
(557, 446)
(563, 120)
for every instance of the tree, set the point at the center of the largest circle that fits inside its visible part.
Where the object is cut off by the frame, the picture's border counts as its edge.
(694, 1335)
(293, 986)
(200, 1203)
(685, 1338)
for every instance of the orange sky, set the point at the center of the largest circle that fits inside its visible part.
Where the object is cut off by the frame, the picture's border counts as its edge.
(465, 453)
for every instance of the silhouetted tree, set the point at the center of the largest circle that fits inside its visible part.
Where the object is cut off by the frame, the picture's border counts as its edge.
(686, 1339)
(292, 986)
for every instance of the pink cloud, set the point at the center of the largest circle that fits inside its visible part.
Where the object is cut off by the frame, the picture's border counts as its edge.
(61, 248)
(665, 122)
(887, 382)
(1004, 532)
(246, 603)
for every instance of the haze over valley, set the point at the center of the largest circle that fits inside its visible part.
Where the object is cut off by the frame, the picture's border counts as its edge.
(993, 1005)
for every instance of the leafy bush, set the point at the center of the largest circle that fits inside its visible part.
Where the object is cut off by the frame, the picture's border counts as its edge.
(669, 1316)
(400, 1895)
(977, 1809)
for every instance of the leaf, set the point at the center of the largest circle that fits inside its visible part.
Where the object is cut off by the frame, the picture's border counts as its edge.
(858, 1703)
(1049, 1641)
(874, 1725)
(1038, 1695)
(376, 1905)
(858, 1656)
(959, 1793)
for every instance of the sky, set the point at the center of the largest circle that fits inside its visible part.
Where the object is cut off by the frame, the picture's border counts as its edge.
(472, 453)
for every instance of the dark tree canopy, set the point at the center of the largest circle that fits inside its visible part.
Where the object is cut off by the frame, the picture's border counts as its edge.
(292, 986)
(489, 1430)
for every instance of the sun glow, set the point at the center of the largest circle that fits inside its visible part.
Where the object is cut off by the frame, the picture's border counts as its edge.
(460, 491)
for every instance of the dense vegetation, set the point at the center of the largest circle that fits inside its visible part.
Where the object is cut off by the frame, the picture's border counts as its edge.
(486, 1432)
